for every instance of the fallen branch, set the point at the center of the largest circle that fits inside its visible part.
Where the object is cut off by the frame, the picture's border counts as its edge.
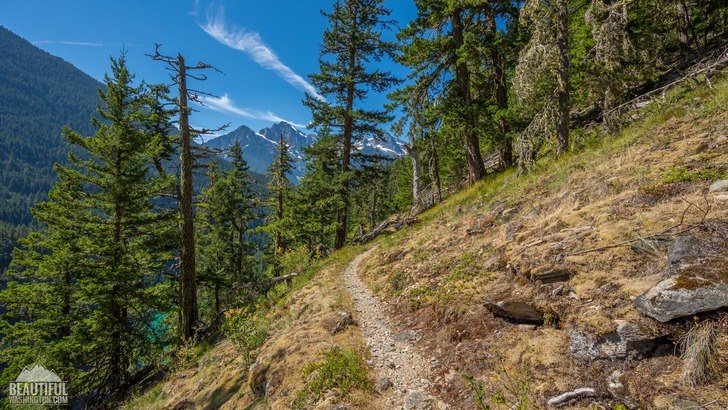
(572, 395)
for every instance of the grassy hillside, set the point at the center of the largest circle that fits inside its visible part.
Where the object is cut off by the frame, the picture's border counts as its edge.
(604, 215)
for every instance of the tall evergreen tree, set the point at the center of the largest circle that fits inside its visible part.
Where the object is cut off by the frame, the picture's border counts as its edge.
(352, 41)
(104, 247)
(279, 190)
(226, 216)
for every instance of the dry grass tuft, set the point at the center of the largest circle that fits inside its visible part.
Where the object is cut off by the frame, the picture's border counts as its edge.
(699, 353)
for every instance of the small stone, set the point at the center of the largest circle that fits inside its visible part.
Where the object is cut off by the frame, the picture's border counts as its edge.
(418, 401)
(518, 312)
(339, 322)
(527, 327)
(383, 384)
(339, 406)
(719, 186)
(686, 404)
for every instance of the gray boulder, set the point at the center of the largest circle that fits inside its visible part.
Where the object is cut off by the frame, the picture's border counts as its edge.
(695, 280)
(628, 338)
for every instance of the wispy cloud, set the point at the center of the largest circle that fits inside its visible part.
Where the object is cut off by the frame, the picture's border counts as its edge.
(69, 43)
(252, 44)
(225, 104)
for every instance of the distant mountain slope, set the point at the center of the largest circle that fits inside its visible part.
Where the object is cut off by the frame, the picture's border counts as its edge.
(39, 94)
(259, 147)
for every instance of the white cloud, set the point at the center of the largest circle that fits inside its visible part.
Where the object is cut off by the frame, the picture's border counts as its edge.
(252, 44)
(68, 43)
(225, 104)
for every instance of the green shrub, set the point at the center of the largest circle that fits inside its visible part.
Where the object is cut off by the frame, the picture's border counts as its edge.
(512, 390)
(246, 330)
(341, 368)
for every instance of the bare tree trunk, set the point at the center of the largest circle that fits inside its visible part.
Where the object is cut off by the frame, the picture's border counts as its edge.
(187, 281)
(562, 41)
(476, 169)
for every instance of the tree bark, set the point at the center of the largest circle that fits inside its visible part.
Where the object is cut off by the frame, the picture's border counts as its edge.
(187, 281)
(562, 42)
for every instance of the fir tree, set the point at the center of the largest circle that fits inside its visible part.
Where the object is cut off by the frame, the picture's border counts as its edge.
(352, 41)
(100, 258)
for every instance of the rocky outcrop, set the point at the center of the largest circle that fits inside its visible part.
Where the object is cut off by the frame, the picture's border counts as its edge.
(628, 338)
(695, 280)
(518, 312)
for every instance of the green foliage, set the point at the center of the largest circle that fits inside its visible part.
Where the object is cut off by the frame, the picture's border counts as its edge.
(684, 174)
(352, 41)
(341, 368)
(512, 390)
(224, 247)
(247, 330)
(85, 289)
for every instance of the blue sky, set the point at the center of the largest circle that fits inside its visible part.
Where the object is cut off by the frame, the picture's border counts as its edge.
(265, 48)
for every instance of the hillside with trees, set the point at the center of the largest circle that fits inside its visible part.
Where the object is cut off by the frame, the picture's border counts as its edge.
(555, 237)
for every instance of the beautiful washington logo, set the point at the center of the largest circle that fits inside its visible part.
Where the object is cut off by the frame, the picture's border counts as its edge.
(38, 385)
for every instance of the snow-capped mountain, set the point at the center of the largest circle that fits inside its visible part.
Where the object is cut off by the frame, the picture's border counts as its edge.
(259, 147)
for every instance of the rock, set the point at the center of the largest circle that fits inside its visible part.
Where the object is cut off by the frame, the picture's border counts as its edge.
(719, 186)
(686, 404)
(628, 338)
(473, 231)
(383, 384)
(682, 296)
(570, 396)
(339, 322)
(339, 406)
(553, 275)
(617, 387)
(258, 378)
(518, 312)
(418, 401)
(694, 280)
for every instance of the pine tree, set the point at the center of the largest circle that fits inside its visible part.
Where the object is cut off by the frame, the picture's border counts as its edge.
(100, 258)
(352, 41)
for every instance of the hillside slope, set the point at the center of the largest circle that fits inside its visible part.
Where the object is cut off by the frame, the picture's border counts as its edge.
(571, 246)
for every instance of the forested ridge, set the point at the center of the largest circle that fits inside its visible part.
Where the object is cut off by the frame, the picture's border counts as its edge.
(131, 269)
(39, 94)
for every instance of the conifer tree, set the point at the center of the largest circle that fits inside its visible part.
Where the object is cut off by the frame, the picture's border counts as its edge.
(104, 247)
(352, 41)
(279, 190)
(542, 79)
(226, 215)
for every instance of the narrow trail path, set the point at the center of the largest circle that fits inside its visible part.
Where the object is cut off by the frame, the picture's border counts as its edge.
(393, 354)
